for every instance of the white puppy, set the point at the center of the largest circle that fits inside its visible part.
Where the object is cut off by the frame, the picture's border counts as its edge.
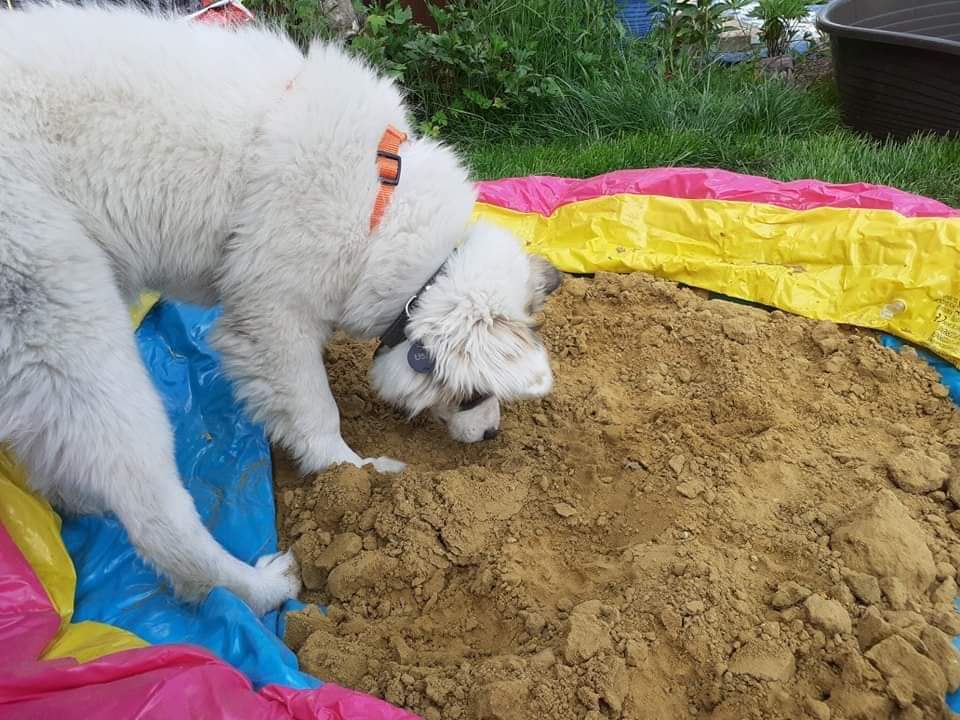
(221, 166)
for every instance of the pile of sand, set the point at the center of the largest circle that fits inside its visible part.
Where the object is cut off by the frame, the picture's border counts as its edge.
(719, 513)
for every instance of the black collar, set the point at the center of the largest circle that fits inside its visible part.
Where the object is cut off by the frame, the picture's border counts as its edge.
(396, 333)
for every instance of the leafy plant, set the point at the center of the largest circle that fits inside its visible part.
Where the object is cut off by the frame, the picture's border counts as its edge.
(491, 61)
(691, 26)
(780, 22)
(386, 34)
(304, 20)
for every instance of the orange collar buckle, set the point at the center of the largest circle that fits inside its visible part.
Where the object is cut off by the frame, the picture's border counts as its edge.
(389, 169)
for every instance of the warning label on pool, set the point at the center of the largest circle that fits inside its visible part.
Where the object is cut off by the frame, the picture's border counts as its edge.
(946, 336)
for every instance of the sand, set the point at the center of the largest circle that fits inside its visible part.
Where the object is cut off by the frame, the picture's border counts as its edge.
(719, 512)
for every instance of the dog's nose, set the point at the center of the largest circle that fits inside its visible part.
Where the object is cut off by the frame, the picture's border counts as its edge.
(490, 433)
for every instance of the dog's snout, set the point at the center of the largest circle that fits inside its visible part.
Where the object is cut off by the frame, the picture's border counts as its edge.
(490, 433)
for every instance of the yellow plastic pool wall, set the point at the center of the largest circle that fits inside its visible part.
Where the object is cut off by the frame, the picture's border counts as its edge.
(871, 268)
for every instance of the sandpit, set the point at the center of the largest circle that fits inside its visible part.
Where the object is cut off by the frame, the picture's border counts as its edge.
(720, 512)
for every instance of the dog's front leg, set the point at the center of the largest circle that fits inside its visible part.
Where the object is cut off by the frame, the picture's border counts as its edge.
(278, 371)
(322, 445)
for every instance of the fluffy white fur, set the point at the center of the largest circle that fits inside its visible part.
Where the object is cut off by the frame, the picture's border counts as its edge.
(138, 152)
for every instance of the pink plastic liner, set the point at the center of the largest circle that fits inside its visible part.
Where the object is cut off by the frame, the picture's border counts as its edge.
(161, 681)
(544, 194)
(27, 619)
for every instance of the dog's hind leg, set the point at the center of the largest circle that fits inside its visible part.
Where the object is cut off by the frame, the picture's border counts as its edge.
(82, 414)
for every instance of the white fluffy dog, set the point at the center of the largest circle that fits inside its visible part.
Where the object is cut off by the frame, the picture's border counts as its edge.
(221, 166)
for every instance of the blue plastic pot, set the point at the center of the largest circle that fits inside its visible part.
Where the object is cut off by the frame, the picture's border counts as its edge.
(637, 16)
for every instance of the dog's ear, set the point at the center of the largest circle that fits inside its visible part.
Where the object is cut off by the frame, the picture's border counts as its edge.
(496, 355)
(545, 279)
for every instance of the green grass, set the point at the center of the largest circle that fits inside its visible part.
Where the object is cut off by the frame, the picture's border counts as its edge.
(638, 97)
(925, 166)
(565, 38)
(720, 101)
(730, 119)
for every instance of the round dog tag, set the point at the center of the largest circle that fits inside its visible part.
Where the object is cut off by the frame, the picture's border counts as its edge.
(419, 359)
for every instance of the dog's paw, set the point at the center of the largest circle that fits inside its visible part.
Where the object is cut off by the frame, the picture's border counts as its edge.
(385, 464)
(277, 580)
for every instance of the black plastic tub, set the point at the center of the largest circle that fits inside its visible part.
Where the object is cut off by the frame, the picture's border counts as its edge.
(897, 65)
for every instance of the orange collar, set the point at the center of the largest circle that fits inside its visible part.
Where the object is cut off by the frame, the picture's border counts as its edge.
(389, 166)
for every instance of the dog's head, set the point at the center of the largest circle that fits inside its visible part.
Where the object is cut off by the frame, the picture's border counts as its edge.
(471, 339)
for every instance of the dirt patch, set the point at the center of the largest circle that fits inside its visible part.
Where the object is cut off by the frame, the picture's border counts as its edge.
(720, 512)
(815, 66)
